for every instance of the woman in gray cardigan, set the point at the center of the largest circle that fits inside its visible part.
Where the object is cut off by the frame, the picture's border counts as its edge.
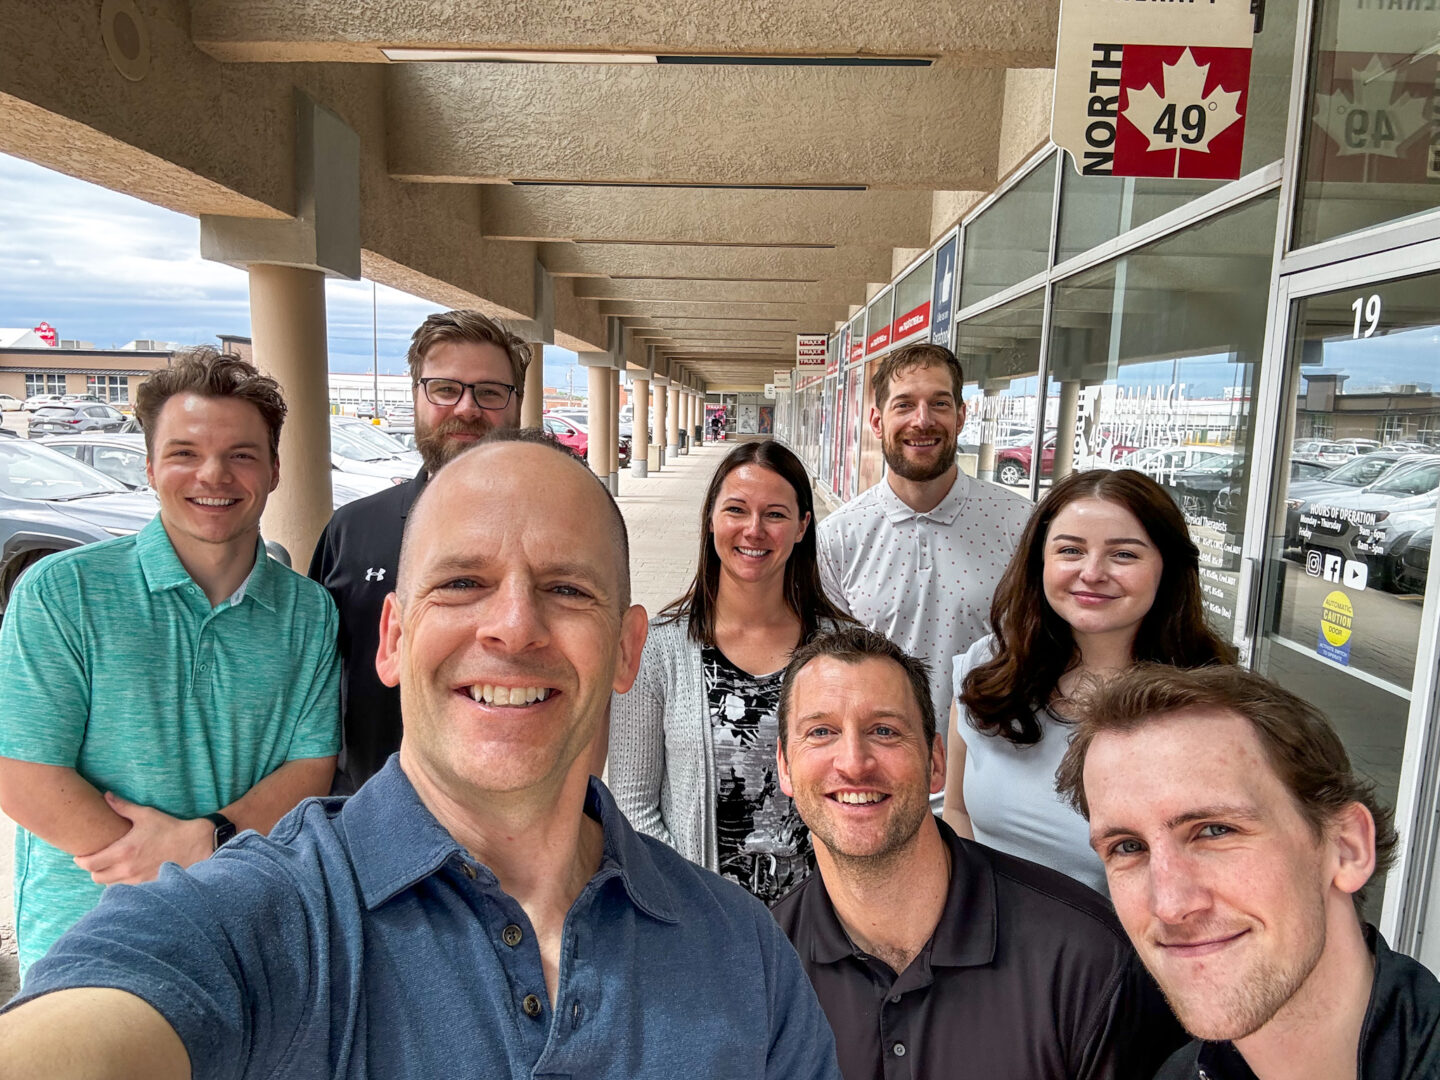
(692, 745)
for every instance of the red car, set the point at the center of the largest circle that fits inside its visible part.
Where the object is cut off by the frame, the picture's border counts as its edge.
(1012, 463)
(567, 433)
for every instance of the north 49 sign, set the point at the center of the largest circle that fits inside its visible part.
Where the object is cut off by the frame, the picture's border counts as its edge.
(1153, 87)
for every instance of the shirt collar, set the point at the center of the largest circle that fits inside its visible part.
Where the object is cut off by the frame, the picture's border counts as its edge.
(945, 512)
(965, 935)
(164, 571)
(395, 843)
(412, 492)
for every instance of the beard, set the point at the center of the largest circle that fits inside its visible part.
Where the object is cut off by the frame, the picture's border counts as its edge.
(871, 858)
(436, 447)
(1250, 998)
(919, 472)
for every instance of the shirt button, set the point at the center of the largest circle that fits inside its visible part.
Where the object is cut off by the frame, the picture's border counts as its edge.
(468, 870)
(511, 935)
(531, 1005)
(899, 1049)
(894, 999)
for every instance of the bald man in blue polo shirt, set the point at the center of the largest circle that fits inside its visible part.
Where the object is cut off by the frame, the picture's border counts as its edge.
(165, 689)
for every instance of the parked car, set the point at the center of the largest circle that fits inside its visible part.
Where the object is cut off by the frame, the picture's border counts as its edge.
(82, 399)
(35, 401)
(1196, 490)
(73, 419)
(578, 421)
(1358, 472)
(404, 434)
(10, 404)
(567, 432)
(120, 457)
(347, 487)
(379, 438)
(1012, 463)
(1414, 563)
(49, 502)
(1161, 463)
(1374, 523)
(351, 452)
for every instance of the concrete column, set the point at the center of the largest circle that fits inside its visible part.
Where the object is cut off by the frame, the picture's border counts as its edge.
(985, 465)
(1065, 429)
(662, 418)
(599, 393)
(287, 326)
(533, 406)
(640, 444)
(613, 444)
(672, 423)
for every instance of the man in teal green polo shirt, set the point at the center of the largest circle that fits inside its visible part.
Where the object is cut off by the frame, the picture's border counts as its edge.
(165, 689)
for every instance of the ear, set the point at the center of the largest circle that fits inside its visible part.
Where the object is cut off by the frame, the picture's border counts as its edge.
(782, 766)
(634, 628)
(387, 656)
(804, 527)
(150, 471)
(937, 765)
(1352, 840)
(274, 472)
(959, 414)
(876, 428)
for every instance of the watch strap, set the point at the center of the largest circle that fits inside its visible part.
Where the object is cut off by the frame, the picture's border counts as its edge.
(224, 829)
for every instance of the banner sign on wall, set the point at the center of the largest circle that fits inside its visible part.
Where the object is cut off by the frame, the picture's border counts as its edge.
(944, 292)
(857, 349)
(877, 341)
(1153, 88)
(782, 380)
(810, 350)
(912, 322)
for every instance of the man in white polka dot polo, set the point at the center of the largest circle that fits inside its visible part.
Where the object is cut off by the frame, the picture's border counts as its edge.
(917, 557)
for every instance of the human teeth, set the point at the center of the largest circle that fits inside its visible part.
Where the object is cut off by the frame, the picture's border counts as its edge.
(508, 695)
(753, 552)
(216, 502)
(859, 798)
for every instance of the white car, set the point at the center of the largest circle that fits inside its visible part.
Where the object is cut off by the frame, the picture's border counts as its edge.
(39, 401)
(10, 404)
(352, 451)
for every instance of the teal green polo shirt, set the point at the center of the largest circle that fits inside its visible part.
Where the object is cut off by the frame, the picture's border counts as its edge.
(113, 663)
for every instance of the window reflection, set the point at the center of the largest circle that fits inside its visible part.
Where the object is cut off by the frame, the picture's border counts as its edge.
(1000, 353)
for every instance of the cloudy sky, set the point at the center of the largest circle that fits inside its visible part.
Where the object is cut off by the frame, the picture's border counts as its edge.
(106, 268)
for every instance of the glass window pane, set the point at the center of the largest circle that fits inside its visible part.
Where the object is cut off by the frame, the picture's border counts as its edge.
(912, 301)
(879, 317)
(1010, 240)
(1000, 354)
(1154, 361)
(1094, 209)
(1371, 140)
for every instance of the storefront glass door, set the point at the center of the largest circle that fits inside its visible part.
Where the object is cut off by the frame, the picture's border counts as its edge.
(1353, 518)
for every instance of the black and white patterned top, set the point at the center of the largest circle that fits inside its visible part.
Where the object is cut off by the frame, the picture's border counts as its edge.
(763, 844)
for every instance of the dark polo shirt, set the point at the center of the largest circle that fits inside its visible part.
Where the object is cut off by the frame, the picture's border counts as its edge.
(356, 560)
(1399, 1040)
(1028, 976)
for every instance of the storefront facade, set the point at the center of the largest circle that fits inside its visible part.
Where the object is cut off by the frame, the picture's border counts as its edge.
(1238, 341)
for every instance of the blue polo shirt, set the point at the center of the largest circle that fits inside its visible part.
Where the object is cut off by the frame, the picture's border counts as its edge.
(113, 663)
(360, 940)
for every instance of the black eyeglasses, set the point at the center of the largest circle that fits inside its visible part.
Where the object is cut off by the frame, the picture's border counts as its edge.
(487, 395)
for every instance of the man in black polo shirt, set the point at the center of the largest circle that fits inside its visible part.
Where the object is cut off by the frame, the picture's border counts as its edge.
(1238, 843)
(934, 956)
(469, 376)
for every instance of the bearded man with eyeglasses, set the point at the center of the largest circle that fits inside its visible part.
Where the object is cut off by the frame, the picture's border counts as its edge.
(468, 373)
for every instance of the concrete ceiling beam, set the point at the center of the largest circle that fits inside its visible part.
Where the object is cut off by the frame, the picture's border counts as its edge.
(686, 262)
(679, 314)
(660, 294)
(1018, 34)
(683, 124)
(690, 216)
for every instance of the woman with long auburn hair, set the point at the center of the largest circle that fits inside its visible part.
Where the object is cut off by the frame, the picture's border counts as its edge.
(692, 747)
(1105, 575)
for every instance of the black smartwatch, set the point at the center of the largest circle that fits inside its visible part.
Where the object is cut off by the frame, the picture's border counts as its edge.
(224, 829)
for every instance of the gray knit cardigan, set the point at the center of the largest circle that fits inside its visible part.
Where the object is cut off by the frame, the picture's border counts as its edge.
(662, 761)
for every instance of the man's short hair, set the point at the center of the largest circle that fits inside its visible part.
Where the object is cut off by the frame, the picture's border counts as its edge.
(921, 354)
(852, 645)
(1301, 746)
(533, 437)
(206, 371)
(474, 327)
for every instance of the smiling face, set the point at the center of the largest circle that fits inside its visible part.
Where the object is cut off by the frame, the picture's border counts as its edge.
(1222, 885)
(855, 759)
(442, 432)
(920, 423)
(211, 466)
(511, 635)
(1101, 568)
(755, 524)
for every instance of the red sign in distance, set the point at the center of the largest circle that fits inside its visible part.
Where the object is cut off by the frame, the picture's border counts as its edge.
(912, 322)
(877, 341)
(857, 351)
(47, 333)
(1182, 112)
